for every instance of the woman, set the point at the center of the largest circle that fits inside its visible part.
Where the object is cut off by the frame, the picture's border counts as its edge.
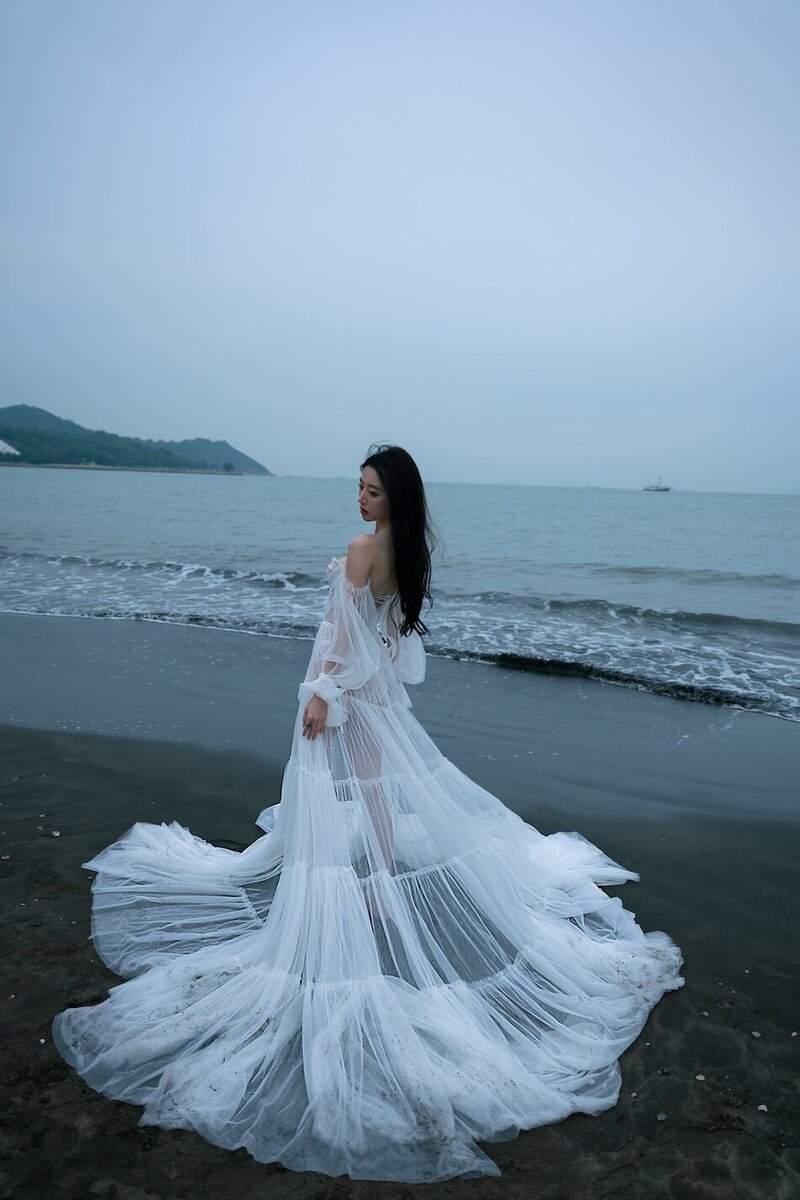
(401, 966)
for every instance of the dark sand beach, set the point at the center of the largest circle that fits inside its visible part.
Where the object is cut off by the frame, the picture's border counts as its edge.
(103, 723)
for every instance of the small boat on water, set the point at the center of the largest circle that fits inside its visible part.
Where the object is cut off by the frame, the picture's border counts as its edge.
(656, 487)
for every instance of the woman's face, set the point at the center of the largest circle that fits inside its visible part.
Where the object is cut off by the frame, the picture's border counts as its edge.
(372, 498)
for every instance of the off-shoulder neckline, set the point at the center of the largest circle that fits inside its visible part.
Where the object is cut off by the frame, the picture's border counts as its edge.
(340, 562)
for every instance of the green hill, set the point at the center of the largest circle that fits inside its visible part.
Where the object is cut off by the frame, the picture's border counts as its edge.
(43, 438)
(28, 416)
(202, 452)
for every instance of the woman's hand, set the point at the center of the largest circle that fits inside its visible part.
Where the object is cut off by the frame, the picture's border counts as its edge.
(315, 716)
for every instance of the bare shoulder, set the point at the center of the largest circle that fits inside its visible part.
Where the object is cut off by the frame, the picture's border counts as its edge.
(360, 557)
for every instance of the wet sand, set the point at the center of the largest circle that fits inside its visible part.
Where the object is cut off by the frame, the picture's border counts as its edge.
(103, 723)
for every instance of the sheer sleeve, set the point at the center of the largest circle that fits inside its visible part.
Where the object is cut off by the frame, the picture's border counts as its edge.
(347, 650)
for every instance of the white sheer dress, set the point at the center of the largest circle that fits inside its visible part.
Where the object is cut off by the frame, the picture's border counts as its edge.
(399, 968)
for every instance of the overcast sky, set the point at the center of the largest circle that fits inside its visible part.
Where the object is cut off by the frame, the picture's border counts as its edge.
(536, 242)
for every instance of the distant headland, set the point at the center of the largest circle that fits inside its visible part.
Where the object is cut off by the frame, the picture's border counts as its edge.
(33, 437)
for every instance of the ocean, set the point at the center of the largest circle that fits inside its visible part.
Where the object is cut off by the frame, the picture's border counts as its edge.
(693, 594)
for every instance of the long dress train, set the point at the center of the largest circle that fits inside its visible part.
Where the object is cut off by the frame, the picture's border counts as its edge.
(398, 968)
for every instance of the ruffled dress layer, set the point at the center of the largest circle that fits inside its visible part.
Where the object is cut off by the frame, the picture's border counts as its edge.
(398, 968)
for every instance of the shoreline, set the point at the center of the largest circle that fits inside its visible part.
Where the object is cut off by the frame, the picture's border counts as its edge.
(103, 723)
(708, 695)
(588, 738)
(117, 467)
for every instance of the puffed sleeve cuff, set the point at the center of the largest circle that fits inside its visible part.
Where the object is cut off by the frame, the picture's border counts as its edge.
(411, 656)
(324, 687)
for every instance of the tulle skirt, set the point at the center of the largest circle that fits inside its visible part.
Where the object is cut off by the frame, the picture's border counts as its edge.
(398, 968)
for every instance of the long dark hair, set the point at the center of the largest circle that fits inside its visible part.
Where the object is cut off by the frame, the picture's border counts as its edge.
(413, 535)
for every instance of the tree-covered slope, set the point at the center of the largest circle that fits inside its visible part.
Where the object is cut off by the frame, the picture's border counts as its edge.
(42, 438)
(202, 452)
(28, 416)
(84, 447)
